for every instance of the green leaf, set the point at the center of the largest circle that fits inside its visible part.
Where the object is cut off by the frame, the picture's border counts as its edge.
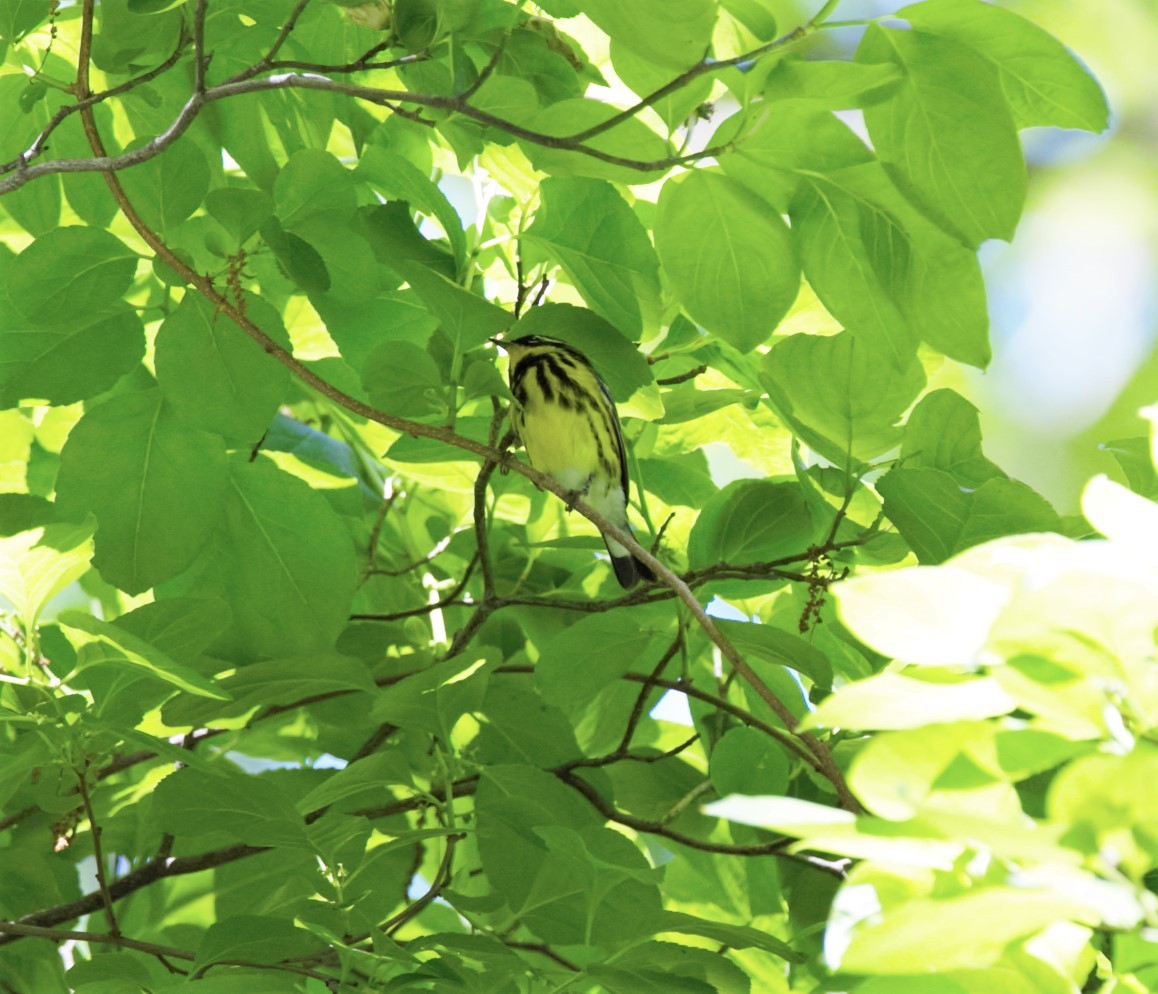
(671, 33)
(507, 98)
(241, 211)
(826, 829)
(938, 518)
(750, 521)
(619, 363)
(297, 258)
(286, 563)
(561, 873)
(359, 330)
(36, 206)
(834, 235)
(36, 565)
(215, 376)
(745, 761)
(1042, 80)
(67, 362)
(1120, 514)
(671, 967)
(433, 699)
(774, 645)
(892, 700)
(1134, 457)
(832, 85)
(23, 512)
(393, 234)
(771, 147)
(729, 256)
(403, 379)
(933, 280)
(413, 450)
(395, 178)
(520, 727)
(755, 15)
(512, 800)
(192, 803)
(685, 403)
(181, 627)
(937, 615)
(350, 268)
(603, 248)
(155, 485)
(630, 140)
(1100, 792)
(154, 6)
(251, 939)
(139, 655)
(466, 317)
(946, 135)
(18, 17)
(278, 682)
(839, 394)
(359, 783)
(898, 774)
(681, 479)
(313, 185)
(645, 78)
(168, 188)
(576, 664)
(944, 432)
(538, 53)
(736, 936)
(417, 23)
(930, 934)
(70, 271)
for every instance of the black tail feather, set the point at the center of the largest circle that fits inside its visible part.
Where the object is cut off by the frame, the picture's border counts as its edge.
(629, 571)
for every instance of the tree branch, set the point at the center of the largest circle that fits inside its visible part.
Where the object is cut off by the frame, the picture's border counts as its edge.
(776, 847)
(98, 852)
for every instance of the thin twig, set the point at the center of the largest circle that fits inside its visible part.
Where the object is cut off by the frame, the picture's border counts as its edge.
(97, 851)
(21, 930)
(707, 65)
(441, 879)
(777, 847)
(376, 531)
(450, 600)
(543, 950)
(691, 374)
(200, 59)
(486, 71)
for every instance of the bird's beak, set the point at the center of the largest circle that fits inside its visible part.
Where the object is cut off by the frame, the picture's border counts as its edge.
(498, 342)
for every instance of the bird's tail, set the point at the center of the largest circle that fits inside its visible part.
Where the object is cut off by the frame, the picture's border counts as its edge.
(628, 569)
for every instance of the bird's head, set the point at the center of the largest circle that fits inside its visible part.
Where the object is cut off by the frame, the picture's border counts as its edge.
(516, 347)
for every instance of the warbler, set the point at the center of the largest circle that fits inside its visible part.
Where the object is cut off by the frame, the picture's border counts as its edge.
(565, 417)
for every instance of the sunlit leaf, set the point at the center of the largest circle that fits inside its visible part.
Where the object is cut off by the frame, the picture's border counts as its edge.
(1043, 82)
(155, 485)
(892, 700)
(603, 247)
(972, 177)
(729, 256)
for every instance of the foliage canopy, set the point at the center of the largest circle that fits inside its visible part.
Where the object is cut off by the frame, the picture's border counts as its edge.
(300, 694)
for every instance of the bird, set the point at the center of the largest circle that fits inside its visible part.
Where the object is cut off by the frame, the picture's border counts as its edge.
(565, 417)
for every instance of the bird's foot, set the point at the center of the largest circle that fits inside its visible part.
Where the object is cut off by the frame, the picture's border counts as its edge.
(578, 493)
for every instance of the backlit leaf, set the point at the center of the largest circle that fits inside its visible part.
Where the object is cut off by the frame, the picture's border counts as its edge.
(729, 256)
(155, 485)
(604, 249)
(972, 177)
